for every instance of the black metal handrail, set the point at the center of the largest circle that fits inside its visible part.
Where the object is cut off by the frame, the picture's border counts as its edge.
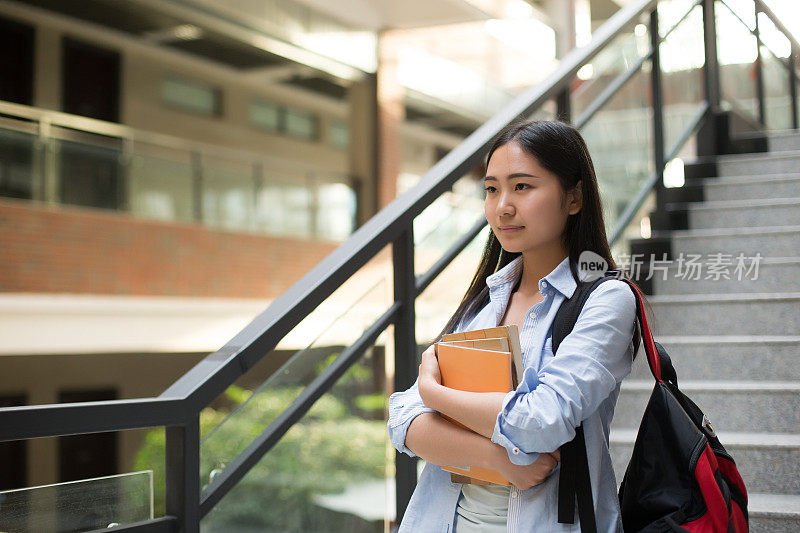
(179, 406)
(209, 378)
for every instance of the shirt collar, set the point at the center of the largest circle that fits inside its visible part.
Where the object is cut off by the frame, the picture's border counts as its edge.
(560, 278)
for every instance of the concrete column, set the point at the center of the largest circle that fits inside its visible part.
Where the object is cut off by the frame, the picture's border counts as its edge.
(391, 114)
(364, 145)
(562, 15)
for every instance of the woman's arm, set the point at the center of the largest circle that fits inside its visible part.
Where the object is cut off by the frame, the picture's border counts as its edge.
(476, 410)
(440, 442)
(543, 412)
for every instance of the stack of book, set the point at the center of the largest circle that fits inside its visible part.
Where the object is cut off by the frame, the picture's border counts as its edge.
(484, 360)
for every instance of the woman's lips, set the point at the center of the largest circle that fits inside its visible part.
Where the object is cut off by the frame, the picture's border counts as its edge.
(510, 229)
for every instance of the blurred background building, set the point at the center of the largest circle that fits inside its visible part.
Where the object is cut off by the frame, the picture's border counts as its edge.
(170, 167)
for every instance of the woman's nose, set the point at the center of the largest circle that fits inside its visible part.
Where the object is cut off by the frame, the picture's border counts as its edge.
(504, 205)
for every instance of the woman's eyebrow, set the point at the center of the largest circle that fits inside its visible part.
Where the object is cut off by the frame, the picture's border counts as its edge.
(512, 176)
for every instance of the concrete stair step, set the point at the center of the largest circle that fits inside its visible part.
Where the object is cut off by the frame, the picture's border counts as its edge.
(718, 314)
(768, 406)
(768, 463)
(773, 513)
(744, 213)
(774, 274)
(749, 187)
(783, 141)
(731, 358)
(769, 241)
(762, 163)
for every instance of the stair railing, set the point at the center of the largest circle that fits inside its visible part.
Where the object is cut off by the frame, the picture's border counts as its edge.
(178, 408)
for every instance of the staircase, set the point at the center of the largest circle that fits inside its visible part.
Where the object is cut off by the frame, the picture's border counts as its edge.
(735, 344)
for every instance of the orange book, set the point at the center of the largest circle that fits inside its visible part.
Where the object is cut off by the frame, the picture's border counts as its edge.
(475, 369)
(508, 332)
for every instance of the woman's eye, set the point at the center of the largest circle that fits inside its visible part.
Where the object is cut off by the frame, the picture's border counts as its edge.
(490, 189)
(522, 186)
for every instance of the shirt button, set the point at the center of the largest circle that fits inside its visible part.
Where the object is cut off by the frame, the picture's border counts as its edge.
(515, 450)
(514, 493)
(544, 284)
(533, 314)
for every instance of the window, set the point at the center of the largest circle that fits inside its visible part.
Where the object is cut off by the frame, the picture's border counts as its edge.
(336, 212)
(285, 209)
(266, 115)
(191, 95)
(301, 124)
(339, 134)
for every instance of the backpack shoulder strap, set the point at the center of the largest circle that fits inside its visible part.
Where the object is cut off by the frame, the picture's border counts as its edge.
(573, 481)
(567, 314)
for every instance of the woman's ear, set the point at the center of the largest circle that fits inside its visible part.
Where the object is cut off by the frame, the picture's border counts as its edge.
(576, 198)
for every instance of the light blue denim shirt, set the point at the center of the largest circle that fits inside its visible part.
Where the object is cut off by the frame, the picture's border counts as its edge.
(554, 396)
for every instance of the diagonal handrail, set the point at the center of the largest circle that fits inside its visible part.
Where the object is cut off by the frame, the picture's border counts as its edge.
(179, 406)
(210, 377)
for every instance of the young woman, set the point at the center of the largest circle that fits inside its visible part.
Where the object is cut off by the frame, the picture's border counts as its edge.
(543, 207)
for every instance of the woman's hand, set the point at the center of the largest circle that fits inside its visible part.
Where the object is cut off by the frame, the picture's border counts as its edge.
(429, 376)
(527, 476)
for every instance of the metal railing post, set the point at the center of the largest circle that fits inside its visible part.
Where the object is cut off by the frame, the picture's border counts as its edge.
(197, 187)
(762, 109)
(183, 474)
(563, 106)
(405, 354)
(793, 87)
(711, 66)
(657, 93)
(658, 100)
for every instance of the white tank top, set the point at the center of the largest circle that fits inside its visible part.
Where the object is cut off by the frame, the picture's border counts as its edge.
(482, 509)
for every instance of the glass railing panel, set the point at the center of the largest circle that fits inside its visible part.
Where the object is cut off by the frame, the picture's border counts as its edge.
(640, 226)
(161, 183)
(670, 12)
(682, 59)
(547, 111)
(617, 57)
(775, 67)
(88, 171)
(744, 10)
(777, 97)
(226, 433)
(229, 190)
(443, 222)
(436, 305)
(736, 50)
(81, 505)
(17, 148)
(280, 376)
(619, 138)
(772, 37)
(333, 470)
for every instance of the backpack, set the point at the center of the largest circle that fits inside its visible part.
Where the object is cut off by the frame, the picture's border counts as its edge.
(680, 477)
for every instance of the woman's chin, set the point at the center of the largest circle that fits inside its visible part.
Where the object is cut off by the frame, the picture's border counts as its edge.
(510, 248)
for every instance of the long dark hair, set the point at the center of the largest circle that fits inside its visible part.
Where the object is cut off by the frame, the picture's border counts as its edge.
(559, 148)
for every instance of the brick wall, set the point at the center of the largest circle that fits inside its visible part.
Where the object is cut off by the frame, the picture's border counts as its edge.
(61, 249)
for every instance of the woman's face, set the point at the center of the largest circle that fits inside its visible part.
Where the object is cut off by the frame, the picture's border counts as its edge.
(525, 204)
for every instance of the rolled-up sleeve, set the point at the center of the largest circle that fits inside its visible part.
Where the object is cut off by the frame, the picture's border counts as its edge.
(403, 408)
(543, 412)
